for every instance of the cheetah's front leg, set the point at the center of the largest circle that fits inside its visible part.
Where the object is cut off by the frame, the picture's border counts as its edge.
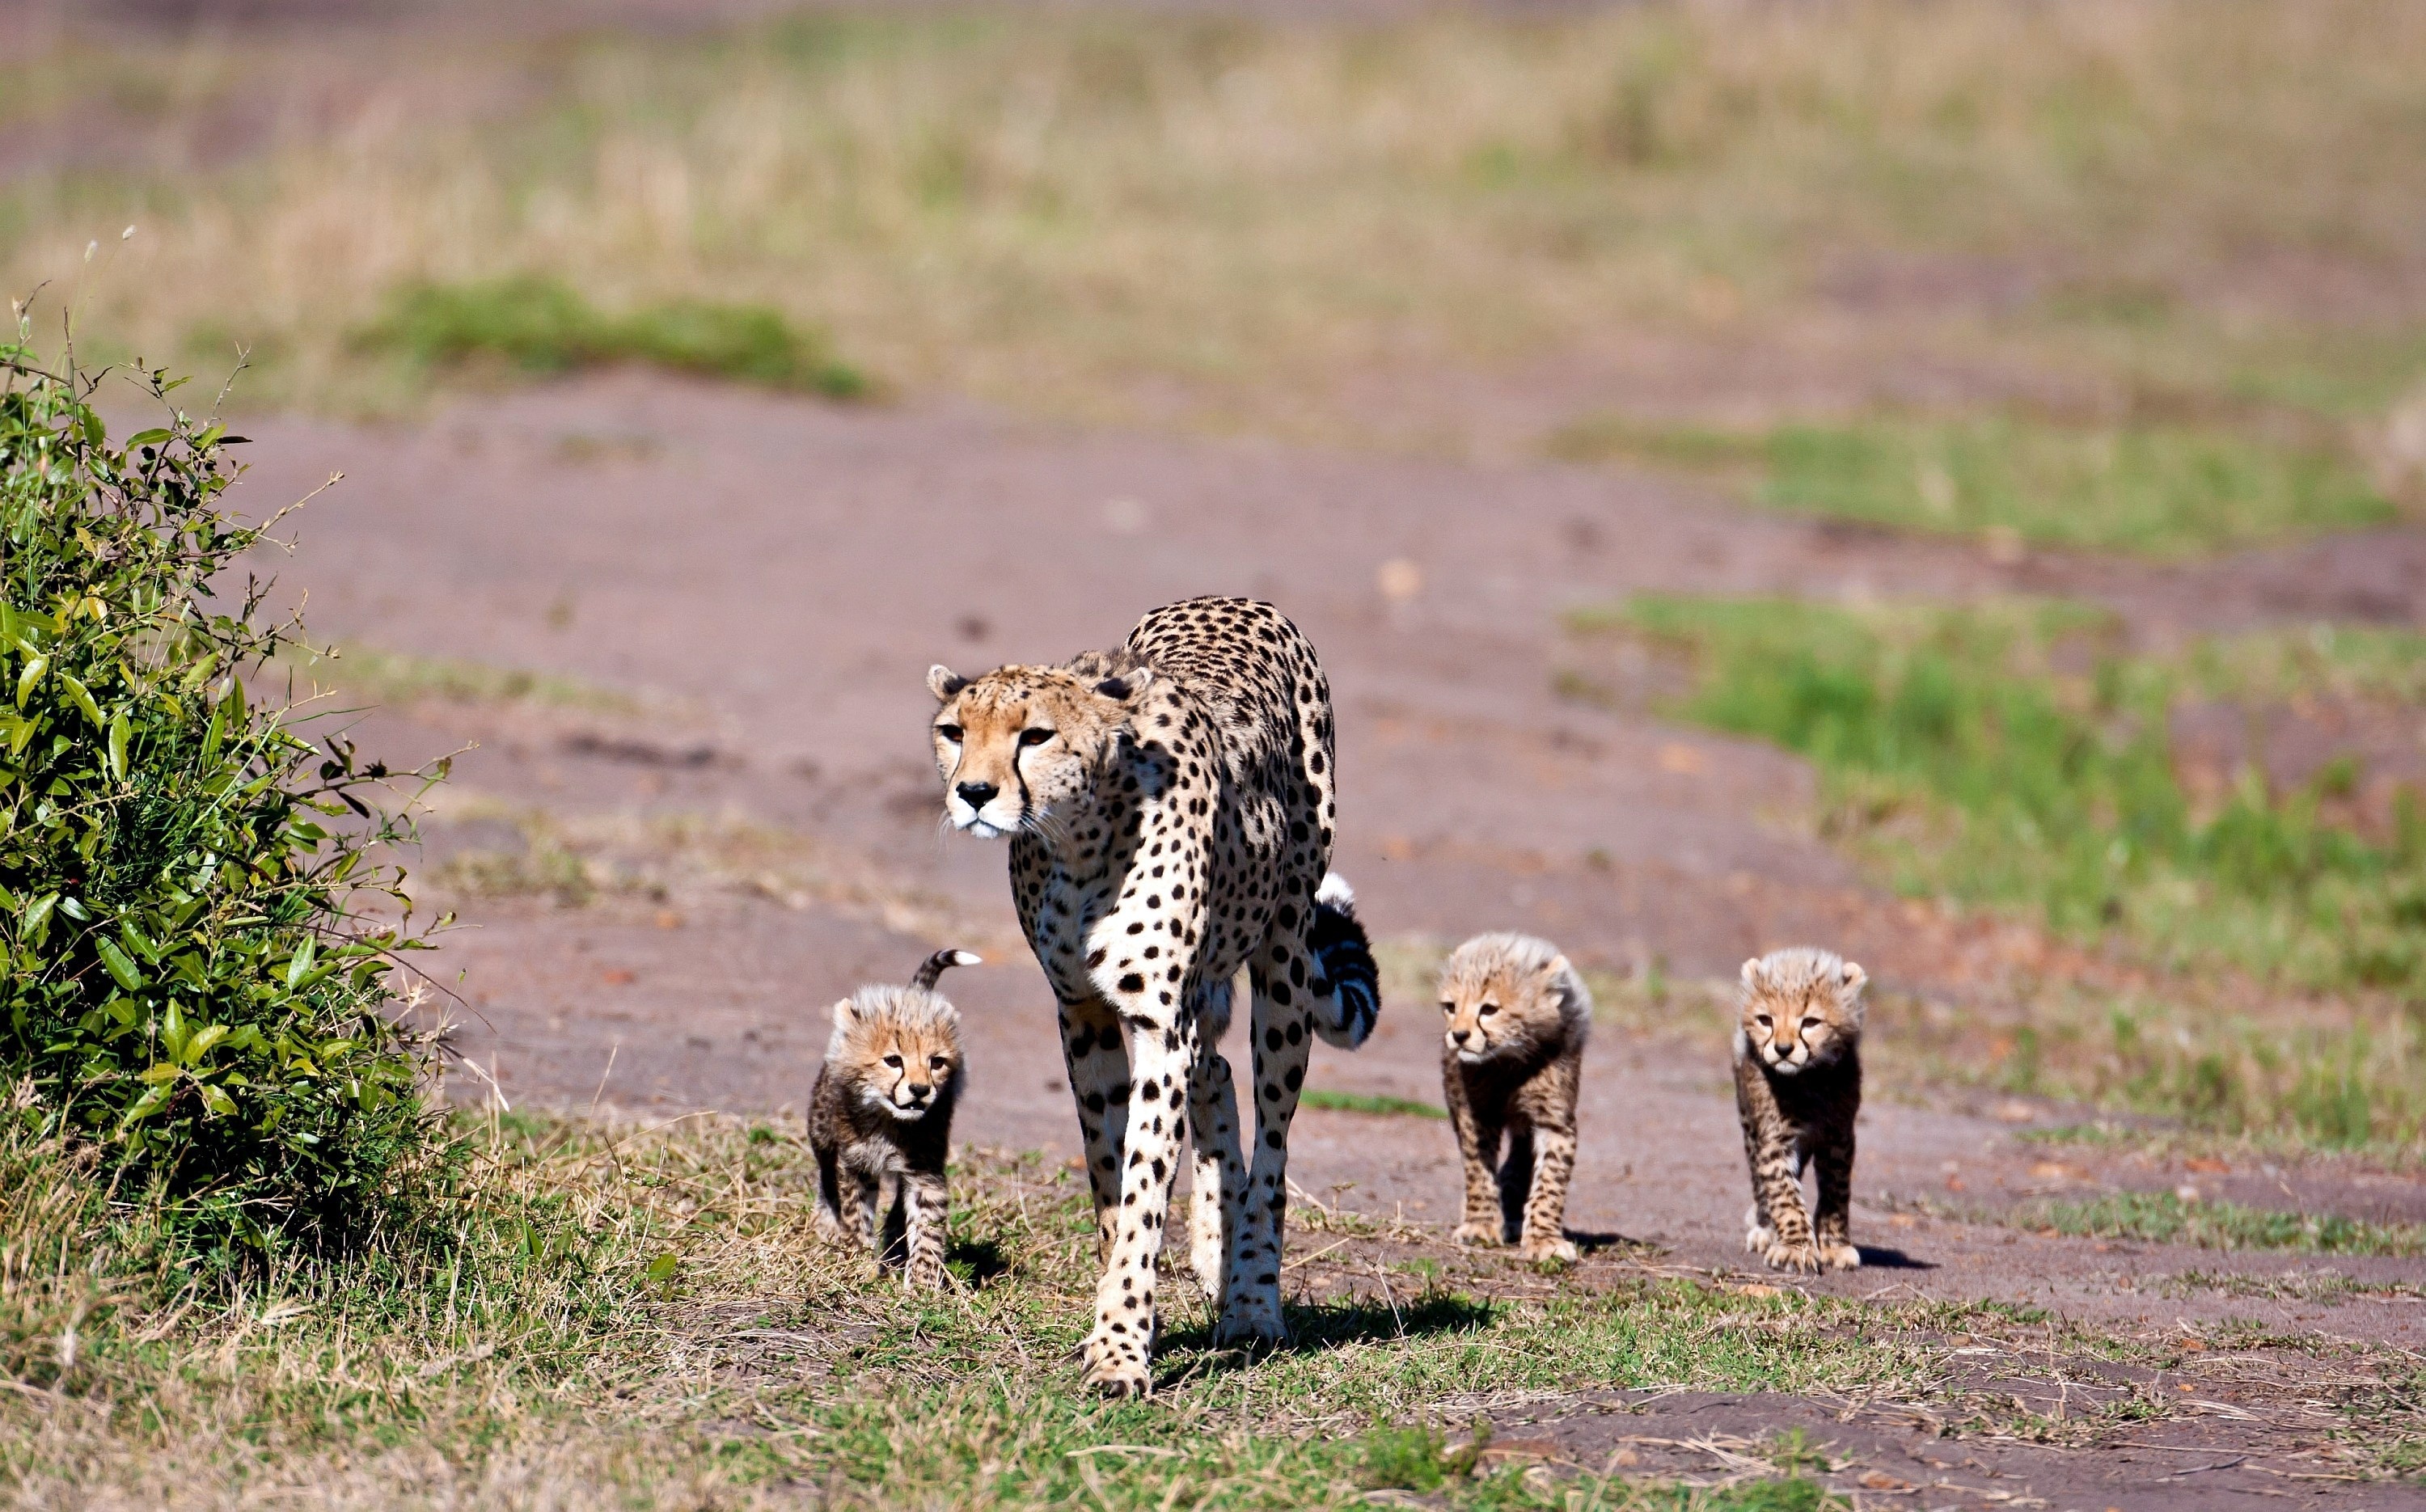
(1545, 1203)
(1115, 1353)
(927, 1204)
(1834, 1235)
(1099, 1083)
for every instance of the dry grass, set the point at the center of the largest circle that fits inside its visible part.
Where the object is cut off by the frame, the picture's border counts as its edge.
(1221, 223)
(604, 1315)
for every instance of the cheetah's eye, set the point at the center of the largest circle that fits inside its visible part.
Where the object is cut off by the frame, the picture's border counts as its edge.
(950, 732)
(894, 1061)
(1761, 1019)
(1447, 1007)
(1037, 736)
(1490, 1009)
(936, 1061)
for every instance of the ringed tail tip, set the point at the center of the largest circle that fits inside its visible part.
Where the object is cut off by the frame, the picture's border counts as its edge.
(936, 964)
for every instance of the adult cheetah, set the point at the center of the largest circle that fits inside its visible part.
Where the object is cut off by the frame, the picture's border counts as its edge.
(1170, 805)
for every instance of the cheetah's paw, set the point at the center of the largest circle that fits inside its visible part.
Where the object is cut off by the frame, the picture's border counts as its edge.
(1783, 1256)
(1470, 1232)
(1561, 1250)
(1244, 1326)
(1115, 1366)
(1842, 1257)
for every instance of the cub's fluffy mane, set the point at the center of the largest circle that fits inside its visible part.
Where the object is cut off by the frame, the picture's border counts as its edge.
(858, 1016)
(1797, 973)
(1518, 960)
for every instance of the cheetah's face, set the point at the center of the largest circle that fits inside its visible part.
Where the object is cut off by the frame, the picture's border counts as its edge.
(1500, 1012)
(1020, 742)
(900, 1069)
(1793, 1027)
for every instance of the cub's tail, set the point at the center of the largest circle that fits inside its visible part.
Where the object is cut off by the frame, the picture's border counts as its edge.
(1344, 958)
(940, 962)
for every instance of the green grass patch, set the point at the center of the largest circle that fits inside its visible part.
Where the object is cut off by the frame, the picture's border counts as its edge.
(371, 676)
(543, 325)
(2163, 1218)
(1376, 1103)
(2165, 490)
(2008, 755)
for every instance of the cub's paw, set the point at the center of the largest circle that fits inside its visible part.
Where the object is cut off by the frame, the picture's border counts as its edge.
(1782, 1256)
(1842, 1257)
(1561, 1250)
(1486, 1236)
(1115, 1365)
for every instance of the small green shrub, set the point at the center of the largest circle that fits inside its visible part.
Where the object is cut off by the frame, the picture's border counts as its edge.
(540, 325)
(182, 985)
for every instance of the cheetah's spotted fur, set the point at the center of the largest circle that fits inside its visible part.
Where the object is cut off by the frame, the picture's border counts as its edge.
(1170, 805)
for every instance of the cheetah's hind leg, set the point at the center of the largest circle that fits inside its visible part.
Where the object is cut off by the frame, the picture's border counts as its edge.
(1343, 957)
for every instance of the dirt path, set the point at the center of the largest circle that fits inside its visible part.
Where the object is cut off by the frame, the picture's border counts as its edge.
(775, 577)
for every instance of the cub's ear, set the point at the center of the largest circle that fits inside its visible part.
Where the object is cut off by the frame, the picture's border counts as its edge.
(1854, 977)
(1751, 972)
(942, 681)
(1128, 686)
(845, 1014)
(1558, 965)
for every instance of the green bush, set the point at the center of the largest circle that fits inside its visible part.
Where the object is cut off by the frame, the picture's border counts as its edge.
(183, 988)
(540, 325)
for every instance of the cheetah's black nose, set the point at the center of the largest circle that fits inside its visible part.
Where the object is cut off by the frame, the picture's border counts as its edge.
(919, 1090)
(977, 794)
(1459, 1035)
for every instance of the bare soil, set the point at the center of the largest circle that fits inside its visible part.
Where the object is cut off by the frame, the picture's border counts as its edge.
(771, 578)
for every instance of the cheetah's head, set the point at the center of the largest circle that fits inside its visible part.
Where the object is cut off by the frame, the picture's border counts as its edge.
(1802, 1009)
(1506, 995)
(1019, 742)
(900, 1047)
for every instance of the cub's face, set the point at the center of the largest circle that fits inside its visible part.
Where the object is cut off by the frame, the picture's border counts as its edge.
(1795, 1026)
(1016, 743)
(903, 1069)
(1500, 1012)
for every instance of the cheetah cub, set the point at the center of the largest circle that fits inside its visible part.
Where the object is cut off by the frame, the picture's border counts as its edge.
(1511, 1056)
(1798, 1085)
(881, 1116)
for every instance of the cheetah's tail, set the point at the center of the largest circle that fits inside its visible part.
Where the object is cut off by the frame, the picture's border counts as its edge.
(938, 963)
(1345, 958)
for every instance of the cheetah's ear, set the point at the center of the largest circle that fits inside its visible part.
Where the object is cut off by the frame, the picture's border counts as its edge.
(1558, 966)
(1128, 686)
(942, 681)
(845, 1013)
(1751, 972)
(1854, 977)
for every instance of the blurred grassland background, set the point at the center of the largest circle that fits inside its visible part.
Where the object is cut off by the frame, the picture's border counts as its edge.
(2137, 273)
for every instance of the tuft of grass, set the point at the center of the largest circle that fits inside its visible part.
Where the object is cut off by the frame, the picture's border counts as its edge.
(614, 1314)
(543, 325)
(2166, 490)
(1378, 1104)
(2164, 1219)
(1150, 216)
(372, 676)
